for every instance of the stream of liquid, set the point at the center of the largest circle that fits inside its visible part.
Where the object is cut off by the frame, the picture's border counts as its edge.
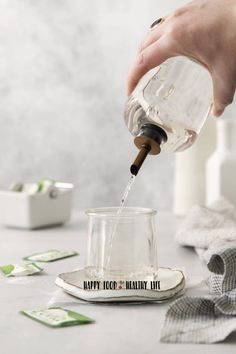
(117, 216)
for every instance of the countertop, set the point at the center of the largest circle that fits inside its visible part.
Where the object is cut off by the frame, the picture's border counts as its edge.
(118, 328)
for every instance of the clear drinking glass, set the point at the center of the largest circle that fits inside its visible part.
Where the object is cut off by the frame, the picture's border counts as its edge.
(121, 246)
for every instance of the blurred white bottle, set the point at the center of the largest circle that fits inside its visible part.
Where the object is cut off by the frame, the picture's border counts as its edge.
(221, 166)
(190, 170)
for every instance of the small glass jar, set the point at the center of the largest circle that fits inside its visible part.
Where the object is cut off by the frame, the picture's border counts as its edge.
(121, 246)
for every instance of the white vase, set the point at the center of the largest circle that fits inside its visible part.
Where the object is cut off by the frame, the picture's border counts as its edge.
(190, 170)
(221, 166)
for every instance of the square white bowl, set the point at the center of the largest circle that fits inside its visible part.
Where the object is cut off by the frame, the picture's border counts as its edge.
(31, 211)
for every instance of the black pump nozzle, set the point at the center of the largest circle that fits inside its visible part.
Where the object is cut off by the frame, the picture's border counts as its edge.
(148, 141)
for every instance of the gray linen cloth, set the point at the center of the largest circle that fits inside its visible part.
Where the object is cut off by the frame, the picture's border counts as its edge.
(209, 230)
(207, 319)
(211, 318)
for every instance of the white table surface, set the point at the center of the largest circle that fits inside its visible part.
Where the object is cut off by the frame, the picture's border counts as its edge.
(118, 328)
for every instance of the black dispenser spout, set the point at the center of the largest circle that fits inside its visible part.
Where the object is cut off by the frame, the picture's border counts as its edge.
(148, 141)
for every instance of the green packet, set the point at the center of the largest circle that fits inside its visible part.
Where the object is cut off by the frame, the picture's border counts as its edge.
(57, 317)
(50, 256)
(32, 188)
(15, 270)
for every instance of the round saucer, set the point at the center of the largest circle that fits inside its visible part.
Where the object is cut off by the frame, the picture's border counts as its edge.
(170, 282)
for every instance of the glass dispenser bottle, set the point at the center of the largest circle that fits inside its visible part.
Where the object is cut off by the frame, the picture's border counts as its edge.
(168, 108)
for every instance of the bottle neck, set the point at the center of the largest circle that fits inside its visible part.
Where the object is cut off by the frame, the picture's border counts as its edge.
(148, 141)
(226, 135)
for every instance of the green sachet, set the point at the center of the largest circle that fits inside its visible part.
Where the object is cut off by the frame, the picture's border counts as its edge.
(45, 184)
(57, 317)
(17, 270)
(32, 188)
(50, 256)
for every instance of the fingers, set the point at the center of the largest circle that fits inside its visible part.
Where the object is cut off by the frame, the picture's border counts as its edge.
(148, 59)
(152, 36)
(223, 89)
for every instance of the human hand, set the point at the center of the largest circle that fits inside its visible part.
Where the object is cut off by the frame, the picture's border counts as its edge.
(202, 29)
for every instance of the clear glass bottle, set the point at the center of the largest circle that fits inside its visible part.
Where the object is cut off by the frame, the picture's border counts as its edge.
(175, 99)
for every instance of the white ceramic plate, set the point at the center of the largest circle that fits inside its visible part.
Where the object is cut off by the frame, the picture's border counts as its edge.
(172, 283)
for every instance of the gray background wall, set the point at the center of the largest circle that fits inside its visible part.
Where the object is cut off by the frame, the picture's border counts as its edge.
(63, 67)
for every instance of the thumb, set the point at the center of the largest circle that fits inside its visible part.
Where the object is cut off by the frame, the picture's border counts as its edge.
(223, 92)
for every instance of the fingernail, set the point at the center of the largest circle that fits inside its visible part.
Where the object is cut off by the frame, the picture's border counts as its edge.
(130, 89)
(217, 112)
(127, 92)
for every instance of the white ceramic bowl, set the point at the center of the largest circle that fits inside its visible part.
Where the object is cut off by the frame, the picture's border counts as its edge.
(31, 211)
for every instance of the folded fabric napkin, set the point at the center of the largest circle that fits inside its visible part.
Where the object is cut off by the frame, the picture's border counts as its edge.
(211, 318)
(209, 230)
